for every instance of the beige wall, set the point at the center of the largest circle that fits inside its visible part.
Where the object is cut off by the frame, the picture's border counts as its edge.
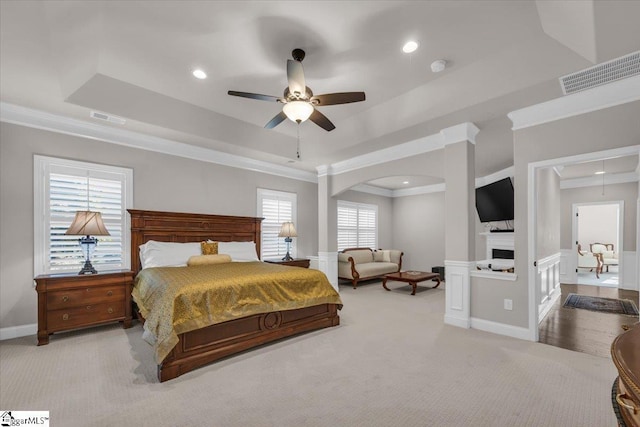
(627, 192)
(161, 182)
(592, 132)
(418, 230)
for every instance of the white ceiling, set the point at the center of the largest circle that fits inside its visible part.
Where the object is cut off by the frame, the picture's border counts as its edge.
(134, 59)
(618, 165)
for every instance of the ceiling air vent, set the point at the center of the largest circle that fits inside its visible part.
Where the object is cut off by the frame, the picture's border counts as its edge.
(607, 72)
(107, 117)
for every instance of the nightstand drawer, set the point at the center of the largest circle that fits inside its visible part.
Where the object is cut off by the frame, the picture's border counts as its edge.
(84, 296)
(85, 315)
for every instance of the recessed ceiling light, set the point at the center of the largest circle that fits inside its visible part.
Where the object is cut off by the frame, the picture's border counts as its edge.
(405, 182)
(599, 173)
(199, 74)
(410, 46)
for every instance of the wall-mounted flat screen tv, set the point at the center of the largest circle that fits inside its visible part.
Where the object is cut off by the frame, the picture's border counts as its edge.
(494, 202)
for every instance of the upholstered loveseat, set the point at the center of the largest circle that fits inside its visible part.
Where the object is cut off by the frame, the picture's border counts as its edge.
(357, 264)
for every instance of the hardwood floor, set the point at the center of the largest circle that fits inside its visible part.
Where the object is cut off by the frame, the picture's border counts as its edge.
(583, 330)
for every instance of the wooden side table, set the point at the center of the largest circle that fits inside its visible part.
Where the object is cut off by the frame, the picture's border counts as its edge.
(296, 262)
(70, 301)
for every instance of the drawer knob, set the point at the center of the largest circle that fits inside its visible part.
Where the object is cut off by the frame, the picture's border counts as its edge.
(65, 316)
(109, 293)
(88, 307)
(110, 310)
(88, 289)
(65, 298)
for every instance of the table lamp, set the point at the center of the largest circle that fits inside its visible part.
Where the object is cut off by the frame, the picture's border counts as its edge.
(87, 223)
(288, 231)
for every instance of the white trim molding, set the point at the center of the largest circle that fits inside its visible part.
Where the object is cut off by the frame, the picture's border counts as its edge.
(18, 331)
(595, 181)
(460, 133)
(37, 119)
(500, 328)
(328, 264)
(457, 292)
(598, 98)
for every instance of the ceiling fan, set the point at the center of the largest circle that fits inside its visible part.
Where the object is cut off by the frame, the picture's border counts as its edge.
(299, 102)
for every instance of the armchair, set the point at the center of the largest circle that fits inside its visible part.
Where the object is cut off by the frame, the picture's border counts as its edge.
(606, 252)
(589, 260)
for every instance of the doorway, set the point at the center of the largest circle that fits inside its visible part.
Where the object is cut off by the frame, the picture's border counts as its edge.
(598, 235)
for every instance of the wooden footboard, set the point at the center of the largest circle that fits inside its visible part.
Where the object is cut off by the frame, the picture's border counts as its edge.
(203, 346)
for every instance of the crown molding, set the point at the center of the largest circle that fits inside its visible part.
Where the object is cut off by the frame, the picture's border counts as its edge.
(14, 114)
(397, 152)
(595, 181)
(496, 176)
(371, 189)
(597, 98)
(459, 133)
(462, 132)
(415, 191)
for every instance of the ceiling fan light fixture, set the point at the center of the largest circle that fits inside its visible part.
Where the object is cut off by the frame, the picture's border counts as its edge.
(298, 111)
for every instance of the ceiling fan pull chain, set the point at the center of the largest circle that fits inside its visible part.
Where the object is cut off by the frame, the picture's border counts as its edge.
(298, 145)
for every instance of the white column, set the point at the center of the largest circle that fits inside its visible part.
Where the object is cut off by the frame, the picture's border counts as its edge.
(459, 146)
(327, 228)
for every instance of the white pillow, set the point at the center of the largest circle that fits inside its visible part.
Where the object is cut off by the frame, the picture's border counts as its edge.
(239, 251)
(386, 256)
(167, 254)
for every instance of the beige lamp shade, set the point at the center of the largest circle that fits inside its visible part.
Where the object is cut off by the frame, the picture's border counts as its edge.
(88, 223)
(288, 230)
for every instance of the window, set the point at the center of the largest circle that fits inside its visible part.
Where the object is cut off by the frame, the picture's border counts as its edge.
(276, 207)
(62, 187)
(357, 225)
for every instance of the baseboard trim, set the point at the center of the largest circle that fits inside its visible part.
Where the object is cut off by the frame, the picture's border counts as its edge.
(18, 331)
(500, 328)
(457, 321)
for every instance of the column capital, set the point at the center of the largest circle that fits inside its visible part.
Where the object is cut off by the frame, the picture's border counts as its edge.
(459, 133)
(323, 170)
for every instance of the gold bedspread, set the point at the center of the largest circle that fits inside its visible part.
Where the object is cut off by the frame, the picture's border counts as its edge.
(174, 300)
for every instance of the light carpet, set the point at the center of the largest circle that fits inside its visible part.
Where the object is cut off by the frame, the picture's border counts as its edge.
(391, 362)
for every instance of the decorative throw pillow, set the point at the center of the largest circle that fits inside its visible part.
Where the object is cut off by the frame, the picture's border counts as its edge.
(208, 259)
(209, 248)
(378, 256)
(386, 256)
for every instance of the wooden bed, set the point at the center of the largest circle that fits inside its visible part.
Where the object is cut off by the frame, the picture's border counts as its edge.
(203, 346)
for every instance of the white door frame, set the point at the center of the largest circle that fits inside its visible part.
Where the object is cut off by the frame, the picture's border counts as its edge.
(574, 232)
(533, 291)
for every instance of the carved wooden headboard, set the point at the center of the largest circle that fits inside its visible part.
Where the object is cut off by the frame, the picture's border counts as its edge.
(188, 227)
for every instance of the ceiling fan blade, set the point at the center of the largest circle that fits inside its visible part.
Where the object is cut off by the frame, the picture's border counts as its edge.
(338, 98)
(321, 120)
(276, 120)
(295, 77)
(254, 96)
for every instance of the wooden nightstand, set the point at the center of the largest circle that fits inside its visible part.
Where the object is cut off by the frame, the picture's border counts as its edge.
(296, 262)
(70, 301)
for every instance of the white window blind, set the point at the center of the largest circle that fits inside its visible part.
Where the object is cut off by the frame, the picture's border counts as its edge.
(276, 207)
(357, 225)
(63, 187)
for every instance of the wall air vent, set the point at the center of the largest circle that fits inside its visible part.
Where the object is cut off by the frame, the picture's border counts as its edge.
(107, 117)
(607, 72)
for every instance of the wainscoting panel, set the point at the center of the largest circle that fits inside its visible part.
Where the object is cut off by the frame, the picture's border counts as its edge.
(548, 283)
(457, 292)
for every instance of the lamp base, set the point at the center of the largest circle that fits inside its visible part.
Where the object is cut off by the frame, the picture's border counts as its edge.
(88, 268)
(287, 257)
